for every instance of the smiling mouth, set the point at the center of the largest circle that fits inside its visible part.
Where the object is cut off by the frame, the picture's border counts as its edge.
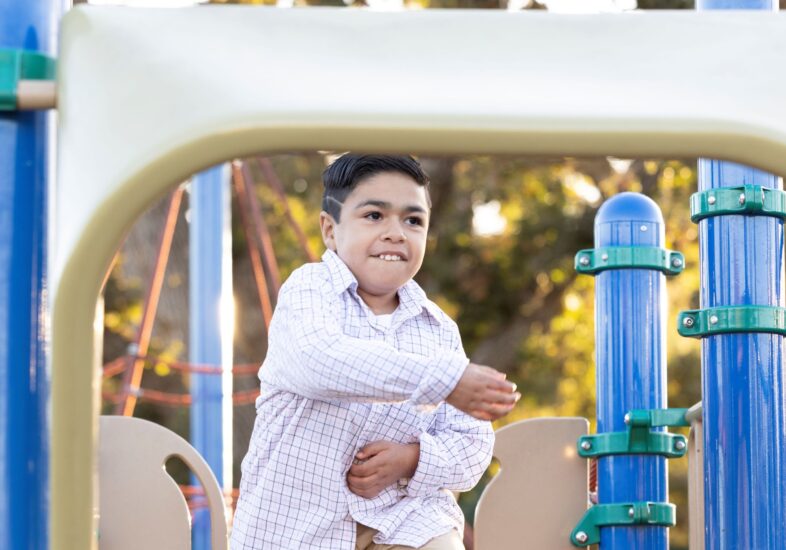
(390, 257)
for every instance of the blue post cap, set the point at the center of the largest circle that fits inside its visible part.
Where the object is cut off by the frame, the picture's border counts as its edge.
(629, 207)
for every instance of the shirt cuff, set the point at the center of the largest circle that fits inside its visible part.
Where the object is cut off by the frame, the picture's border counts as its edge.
(427, 479)
(441, 379)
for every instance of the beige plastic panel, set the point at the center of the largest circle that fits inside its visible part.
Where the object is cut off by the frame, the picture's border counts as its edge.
(140, 504)
(147, 97)
(540, 493)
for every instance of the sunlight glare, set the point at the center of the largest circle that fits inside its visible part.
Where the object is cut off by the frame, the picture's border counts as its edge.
(487, 220)
(582, 186)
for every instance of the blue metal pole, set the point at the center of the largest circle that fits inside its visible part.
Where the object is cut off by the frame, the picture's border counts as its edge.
(210, 335)
(630, 315)
(24, 380)
(742, 374)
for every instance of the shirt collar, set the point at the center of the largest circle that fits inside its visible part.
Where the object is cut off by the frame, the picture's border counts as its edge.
(412, 298)
(340, 275)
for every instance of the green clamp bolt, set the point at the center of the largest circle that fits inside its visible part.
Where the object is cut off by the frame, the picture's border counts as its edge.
(587, 532)
(639, 438)
(593, 261)
(17, 65)
(746, 200)
(697, 323)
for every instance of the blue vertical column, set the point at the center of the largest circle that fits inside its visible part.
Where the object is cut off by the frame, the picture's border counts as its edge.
(630, 316)
(24, 380)
(210, 330)
(742, 374)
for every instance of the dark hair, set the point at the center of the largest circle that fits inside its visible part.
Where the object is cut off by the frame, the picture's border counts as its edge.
(349, 170)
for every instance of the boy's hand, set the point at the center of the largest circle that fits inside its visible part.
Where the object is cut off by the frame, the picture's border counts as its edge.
(379, 465)
(484, 393)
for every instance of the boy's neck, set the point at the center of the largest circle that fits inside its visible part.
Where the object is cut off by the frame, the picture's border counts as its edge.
(380, 305)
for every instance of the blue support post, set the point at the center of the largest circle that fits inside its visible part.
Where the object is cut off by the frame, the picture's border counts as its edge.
(742, 374)
(24, 379)
(630, 316)
(210, 334)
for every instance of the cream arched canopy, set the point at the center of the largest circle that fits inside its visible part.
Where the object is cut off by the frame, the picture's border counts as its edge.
(148, 97)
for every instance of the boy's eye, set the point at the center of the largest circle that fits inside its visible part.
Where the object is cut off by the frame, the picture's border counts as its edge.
(373, 216)
(414, 220)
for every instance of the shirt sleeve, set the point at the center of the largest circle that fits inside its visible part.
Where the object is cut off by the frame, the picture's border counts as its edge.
(315, 359)
(454, 452)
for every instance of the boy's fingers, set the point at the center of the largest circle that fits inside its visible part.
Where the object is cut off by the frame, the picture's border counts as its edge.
(371, 449)
(501, 398)
(499, 412)
(497, 374)
(357, 482)
(494, 411)
(500, 384)
(361, 483)
(362, 470)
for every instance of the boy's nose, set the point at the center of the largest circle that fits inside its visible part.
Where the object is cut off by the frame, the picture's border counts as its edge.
(394, 232)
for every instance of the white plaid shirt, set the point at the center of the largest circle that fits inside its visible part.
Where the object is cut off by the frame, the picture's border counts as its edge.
(335, 379)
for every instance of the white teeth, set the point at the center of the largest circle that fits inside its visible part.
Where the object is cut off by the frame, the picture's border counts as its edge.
(389, 257)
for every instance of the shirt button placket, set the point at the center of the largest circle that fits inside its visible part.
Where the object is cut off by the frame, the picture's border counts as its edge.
(370, 431)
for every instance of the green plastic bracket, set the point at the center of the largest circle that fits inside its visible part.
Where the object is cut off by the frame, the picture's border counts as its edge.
(594, 260)
(639, 438)
(746, 200)
(697, 323)
(587, 532)
(16, 65)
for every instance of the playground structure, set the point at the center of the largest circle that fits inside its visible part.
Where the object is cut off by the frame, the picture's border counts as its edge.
(111, 167)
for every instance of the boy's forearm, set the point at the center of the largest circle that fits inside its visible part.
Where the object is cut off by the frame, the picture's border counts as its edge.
(365, 370)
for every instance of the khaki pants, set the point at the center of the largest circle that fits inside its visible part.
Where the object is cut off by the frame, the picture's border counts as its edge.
(448, 541)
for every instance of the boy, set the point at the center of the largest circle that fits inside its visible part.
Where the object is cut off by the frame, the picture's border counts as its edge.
(344, 454)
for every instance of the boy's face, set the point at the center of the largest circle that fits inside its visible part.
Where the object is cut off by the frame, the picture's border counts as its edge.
(381, 236)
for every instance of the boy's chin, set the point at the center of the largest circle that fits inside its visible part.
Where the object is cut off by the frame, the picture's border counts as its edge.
(388, 276)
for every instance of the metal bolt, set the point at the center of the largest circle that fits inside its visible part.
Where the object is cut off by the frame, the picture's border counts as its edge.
(742, 198)
(627, 418)
(631, 512)
(676, 262)
(584, 260)
(688, 322)
(711, 199)
(586, 445)
(605, 257)
(581, 536)
(643, 227)
(679, 444)
(714, 320)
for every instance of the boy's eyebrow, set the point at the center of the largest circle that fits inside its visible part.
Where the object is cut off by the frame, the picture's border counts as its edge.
(388, 206)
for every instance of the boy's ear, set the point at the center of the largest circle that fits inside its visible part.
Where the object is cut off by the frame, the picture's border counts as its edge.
(328, 226)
